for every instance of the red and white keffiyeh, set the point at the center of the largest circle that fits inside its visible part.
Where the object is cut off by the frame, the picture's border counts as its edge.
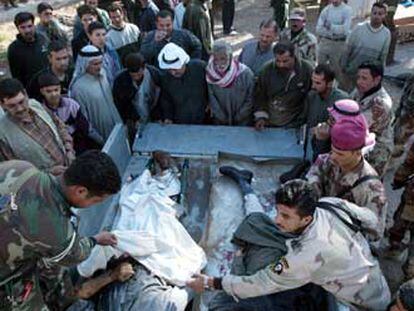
(223, 79)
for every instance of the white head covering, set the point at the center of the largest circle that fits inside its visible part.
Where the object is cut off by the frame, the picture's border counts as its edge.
(87, 54)
(172, 57)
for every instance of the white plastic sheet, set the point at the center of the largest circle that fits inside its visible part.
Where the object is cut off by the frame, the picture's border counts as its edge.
(150, 232)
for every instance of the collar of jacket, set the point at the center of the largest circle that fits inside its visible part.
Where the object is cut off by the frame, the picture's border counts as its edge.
(371, 91)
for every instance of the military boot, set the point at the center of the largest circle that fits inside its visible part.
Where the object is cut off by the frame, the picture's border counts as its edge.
(242, 177)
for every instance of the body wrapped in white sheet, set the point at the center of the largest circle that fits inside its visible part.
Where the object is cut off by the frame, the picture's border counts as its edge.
(150, 232)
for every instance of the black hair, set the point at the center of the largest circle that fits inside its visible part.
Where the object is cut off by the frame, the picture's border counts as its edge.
(165, 14)
(406, 295)
(94, 26)
(43, 6)
(86, 9)
(23, 17)
(56, 46)
(375, 68)
(326, 71)
(47, 79)
(96, 171)
(115, 7)
(298, 194)
(381, 5)
(269, 23)
(10, 88)
(134, 62)
(284, 46)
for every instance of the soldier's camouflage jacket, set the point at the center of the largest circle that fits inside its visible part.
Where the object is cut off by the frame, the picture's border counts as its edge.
(305, 43)
(377, 109)
(36, 230)
(401, 177)
(328, 180)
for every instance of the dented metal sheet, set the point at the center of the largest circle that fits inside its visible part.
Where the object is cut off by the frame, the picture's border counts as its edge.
(208, 141)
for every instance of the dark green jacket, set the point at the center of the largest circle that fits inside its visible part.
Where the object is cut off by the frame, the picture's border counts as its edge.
(197, 20)
(279, 96)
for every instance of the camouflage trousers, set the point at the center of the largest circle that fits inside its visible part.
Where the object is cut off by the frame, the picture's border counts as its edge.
(22, 295)
(397, 233)
(403, 130)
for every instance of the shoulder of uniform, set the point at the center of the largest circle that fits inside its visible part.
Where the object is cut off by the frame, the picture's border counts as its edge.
(369, 170)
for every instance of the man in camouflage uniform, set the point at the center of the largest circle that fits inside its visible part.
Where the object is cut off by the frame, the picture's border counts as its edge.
(325, 251)
(344, 173)
(404, 127)
(376, 105)
(37, 225)
(304, 41)
(404, 216)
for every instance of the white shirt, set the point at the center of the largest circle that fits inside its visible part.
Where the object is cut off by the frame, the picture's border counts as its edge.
(335, 22)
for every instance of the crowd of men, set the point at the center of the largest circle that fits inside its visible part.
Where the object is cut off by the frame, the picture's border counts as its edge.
(158, 61)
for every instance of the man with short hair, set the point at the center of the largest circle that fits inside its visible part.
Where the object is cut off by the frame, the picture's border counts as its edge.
(325, 249)
(122, 36)
(30, 133)
(27, 54)
(197, 20)
(368, 41)
(59, 65)
(155, 40)
(135, 93)
(69, 112)
(333, 27)
(91, 89)
(38, 226)
(259, 51)
(48, 26)
(321, 97)
(184, 93)
(111, 63)
(102, 16)
(87, 15)
(376, 105)
(344, 173)
(304, 41)
(281, 88)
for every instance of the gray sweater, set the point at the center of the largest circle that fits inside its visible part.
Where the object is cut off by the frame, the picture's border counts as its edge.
(365, 44)
(233, 105)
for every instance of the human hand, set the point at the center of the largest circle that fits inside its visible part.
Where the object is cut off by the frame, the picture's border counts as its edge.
(122, 272)
(197, 283)
(321, 131)
(106, 238)
(260, 124)
(160, 35)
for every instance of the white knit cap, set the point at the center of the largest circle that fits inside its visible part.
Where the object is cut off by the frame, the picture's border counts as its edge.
(172, 57)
